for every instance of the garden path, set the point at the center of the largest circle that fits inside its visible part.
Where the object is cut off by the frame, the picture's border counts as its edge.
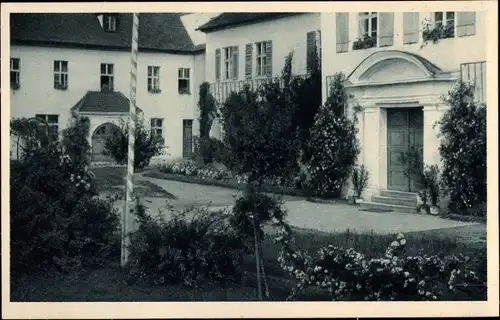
(301, 213)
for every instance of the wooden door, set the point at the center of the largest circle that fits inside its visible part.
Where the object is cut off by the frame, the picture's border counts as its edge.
(404, 134)
(187, 138)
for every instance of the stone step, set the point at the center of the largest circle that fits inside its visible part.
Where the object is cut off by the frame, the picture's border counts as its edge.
(398, 194)
(410, 202)
(384, 206)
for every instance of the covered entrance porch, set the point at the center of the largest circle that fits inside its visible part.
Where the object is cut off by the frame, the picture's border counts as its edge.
(105, 111)
(400, 98)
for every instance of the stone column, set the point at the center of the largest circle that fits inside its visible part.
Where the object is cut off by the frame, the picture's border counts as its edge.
(432, 114)
(382, 155)
(371, 148)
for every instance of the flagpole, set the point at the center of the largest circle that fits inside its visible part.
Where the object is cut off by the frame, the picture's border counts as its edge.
(127, 219)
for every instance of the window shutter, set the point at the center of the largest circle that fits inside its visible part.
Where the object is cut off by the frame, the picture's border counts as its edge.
(248, 61)
(217, 64)
(269, 58)
(342, 29)
(466, 24)
(386, 25)
(311, 49)
(410, 27)
(235, 56)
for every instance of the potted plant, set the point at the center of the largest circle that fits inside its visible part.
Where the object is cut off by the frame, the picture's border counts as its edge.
(359, 181)
(432, 184)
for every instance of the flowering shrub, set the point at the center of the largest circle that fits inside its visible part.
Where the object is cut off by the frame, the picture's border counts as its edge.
(55, 219)
(463, 150)
(333, 146)
(349, 275)
(191, 247)
(146, 146)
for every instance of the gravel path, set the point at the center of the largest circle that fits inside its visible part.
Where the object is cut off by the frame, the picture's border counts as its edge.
(301, 213)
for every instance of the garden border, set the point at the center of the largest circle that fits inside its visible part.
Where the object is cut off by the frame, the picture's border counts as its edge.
(152, 173)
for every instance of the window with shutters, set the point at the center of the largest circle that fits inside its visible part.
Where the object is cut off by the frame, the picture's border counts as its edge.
(50, 123)
(154, 79)
(368, 31)
(475, 73)
(15, 73)
(184, 81)
(107, 77)
(446, 21)
(61, 75)
(411, 25)
(230, 64)
(262, 59)
(342, 31)
(157, 129)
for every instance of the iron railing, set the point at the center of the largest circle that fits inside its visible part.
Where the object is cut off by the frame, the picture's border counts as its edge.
(222, 90)
(475, 72)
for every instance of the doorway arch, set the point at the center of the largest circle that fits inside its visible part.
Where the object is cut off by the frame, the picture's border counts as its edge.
(99, 136)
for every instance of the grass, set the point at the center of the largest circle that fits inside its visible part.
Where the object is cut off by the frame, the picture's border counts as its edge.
(110, 282)
(111, 179)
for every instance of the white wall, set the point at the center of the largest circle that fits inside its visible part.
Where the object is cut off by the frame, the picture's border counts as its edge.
(37, 95)
(287, 34)
(447, 54)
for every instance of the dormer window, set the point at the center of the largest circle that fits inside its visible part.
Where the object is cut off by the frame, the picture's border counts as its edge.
(109, 22)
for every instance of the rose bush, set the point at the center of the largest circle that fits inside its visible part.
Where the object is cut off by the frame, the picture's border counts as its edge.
(349, 275)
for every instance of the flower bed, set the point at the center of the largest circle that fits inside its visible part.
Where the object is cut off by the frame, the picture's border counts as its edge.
(215, 175)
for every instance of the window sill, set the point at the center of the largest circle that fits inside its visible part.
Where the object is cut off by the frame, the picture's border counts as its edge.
(154, 91)
(184, 92)
(61, 88)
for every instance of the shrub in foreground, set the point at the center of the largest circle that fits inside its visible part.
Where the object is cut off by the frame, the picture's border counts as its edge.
(349, 275)
(189, 248)
(55, 220)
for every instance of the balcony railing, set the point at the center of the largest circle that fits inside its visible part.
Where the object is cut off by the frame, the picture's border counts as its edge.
(223, 89)
(475, 72)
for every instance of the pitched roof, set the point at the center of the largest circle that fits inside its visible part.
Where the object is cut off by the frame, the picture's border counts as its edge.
(157, 31)
(229, 19)
(98, 101)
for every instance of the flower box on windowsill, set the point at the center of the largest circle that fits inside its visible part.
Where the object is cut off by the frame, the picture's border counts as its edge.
(15, 86)
(365, 42)
(438, 32)
(59, 86)
(154, 91)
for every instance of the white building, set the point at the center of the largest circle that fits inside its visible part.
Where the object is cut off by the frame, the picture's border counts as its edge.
(81, 61)
(398, 78)
(396, 75)
(249, 48)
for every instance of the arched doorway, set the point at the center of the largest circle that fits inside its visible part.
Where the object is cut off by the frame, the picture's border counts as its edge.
(99, 139)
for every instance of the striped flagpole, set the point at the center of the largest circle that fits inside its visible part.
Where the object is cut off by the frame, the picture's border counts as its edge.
(127, 221)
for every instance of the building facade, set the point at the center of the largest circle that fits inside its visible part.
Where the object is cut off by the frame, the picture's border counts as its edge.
(63, 63)
(250, 48)
(397, 67)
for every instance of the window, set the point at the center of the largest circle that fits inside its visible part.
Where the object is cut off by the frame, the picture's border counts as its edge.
(107, 77)
(154, 79)
(230, 63)
(109, 22)
(261, 58)
(51, 124)
(61, 75)
(445, 20)
(157, 129)
(368, 24)
(184, 81)
(15, 73)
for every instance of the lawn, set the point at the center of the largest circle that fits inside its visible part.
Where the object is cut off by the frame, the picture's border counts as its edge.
(109, 283)
(112, 179)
